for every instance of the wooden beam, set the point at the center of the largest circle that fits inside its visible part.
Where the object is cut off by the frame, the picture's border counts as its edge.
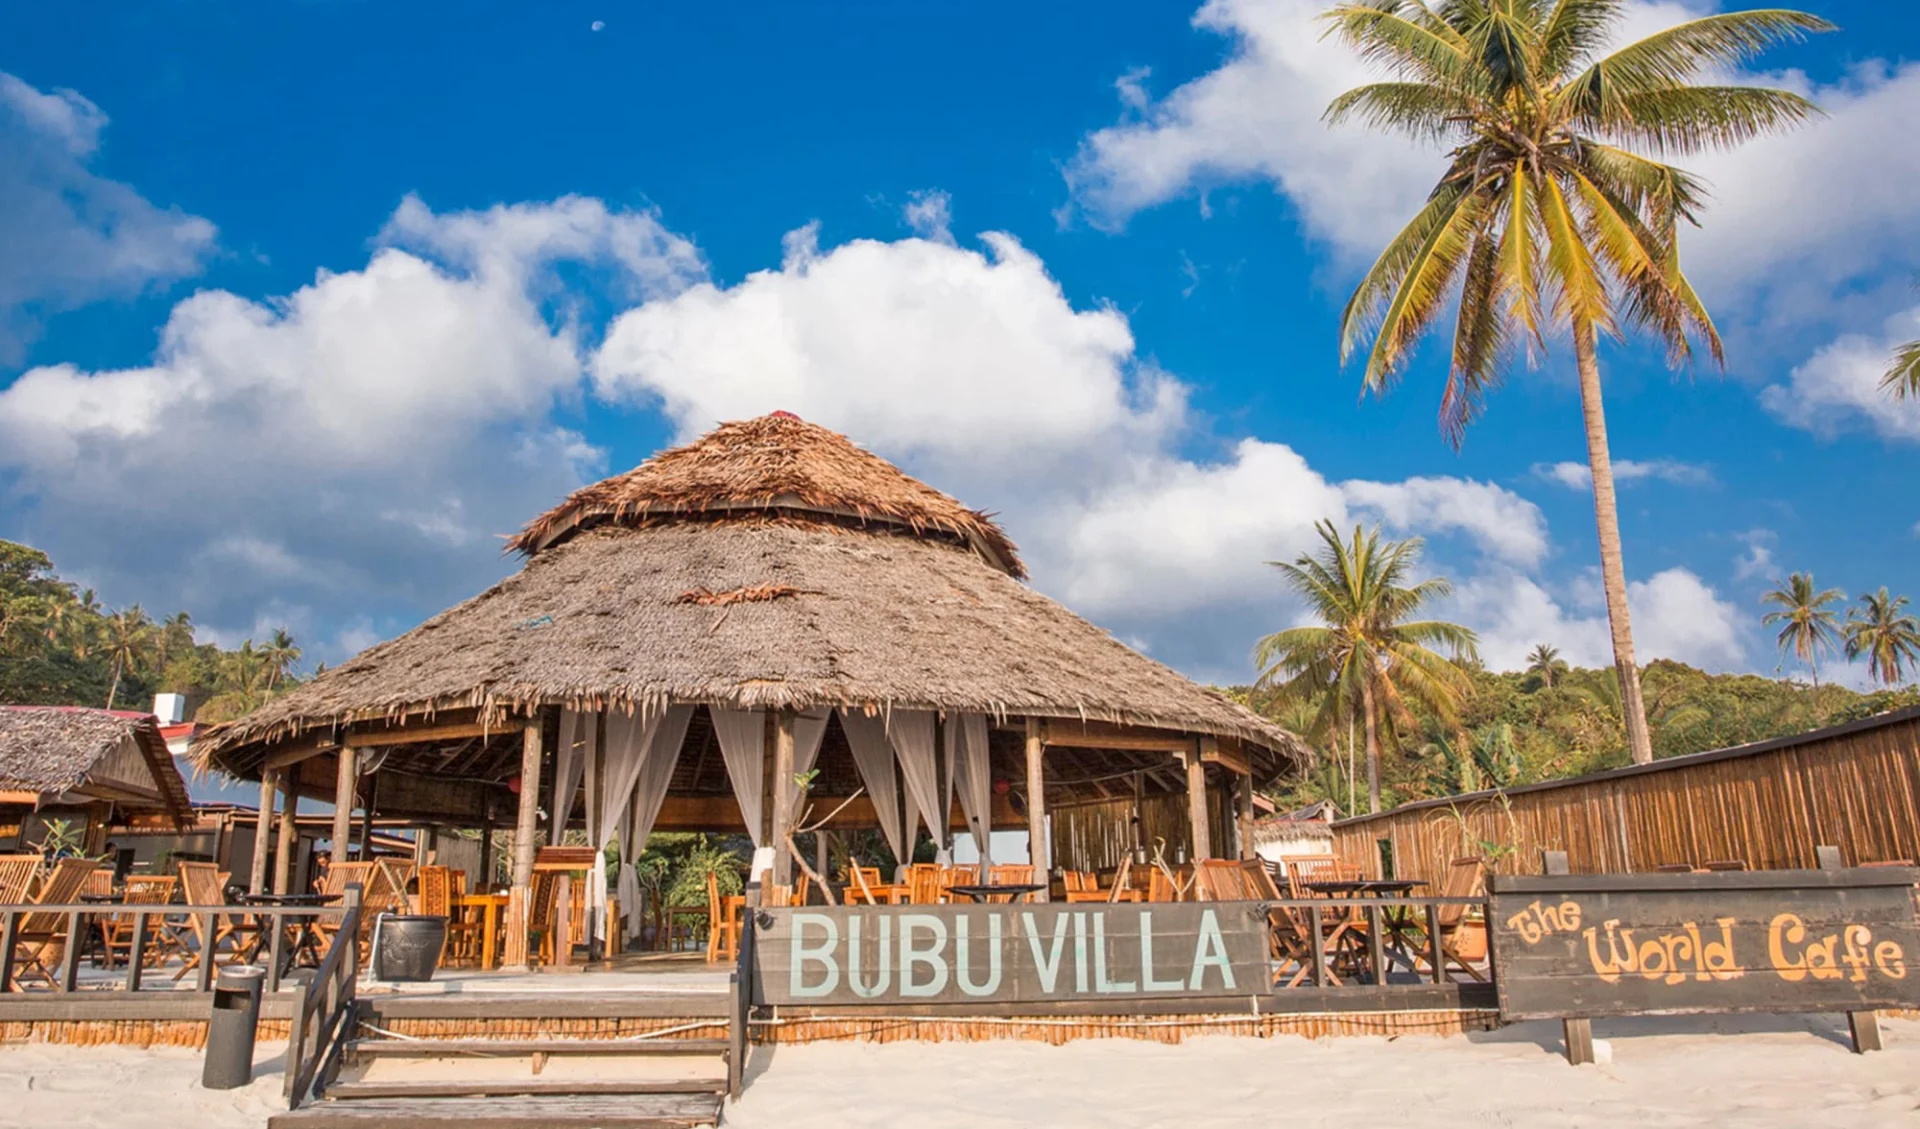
(344, 776)
(20, 797)
(1197, 804)
(262, 834)
(1245, 790)
(288, 757)
(1104, 735)
(784, 796)
(1228, 755)
(1039, 848)
(523, 847)
(284, 851)
(402, 735)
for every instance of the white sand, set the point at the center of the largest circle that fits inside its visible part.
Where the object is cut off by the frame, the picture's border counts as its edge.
(1761, 1072)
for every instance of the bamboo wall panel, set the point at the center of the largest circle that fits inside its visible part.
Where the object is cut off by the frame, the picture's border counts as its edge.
(1859, 791)
(1098, 836)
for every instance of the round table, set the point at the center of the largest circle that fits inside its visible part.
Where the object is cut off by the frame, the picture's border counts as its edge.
(981, 893)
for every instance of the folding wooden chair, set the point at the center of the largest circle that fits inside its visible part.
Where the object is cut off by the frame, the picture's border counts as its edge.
(17, 875)
(923, 884)
(723, 921)
(1466, 878)
(142, 890)
(205, 885)
(864, 885)
(40, 939)
(1012, 875)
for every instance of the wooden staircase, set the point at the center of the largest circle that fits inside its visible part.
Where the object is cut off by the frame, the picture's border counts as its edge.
(472, 1081)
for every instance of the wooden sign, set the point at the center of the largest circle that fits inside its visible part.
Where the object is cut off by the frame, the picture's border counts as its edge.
(1764, 941)
(877, 955)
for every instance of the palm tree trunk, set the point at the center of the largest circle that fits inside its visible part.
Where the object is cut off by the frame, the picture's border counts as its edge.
(1373, 746)
(113, 691)
(1613, 572)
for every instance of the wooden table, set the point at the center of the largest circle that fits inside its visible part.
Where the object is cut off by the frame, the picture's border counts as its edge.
(489, 906)
(1012, 891)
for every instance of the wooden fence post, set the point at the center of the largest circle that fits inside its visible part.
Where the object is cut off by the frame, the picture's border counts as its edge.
(1863, 1027)
(1577, 1033)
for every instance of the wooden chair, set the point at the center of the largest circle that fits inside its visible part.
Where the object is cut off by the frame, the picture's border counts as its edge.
(1084, 886)
(17, 875)
(205, 885)
(864, 885)
(923, 884)
(1078, 882)
(40, 939)
(117, 931)
(951, 876)
(339, 876)
(723, 922)
(1465, 878)
(1012, 875)
(463, 931)
(802, 887)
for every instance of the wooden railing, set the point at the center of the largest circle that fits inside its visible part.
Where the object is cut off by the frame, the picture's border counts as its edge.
(323, 1017)
(173, 925)
(1408, 928)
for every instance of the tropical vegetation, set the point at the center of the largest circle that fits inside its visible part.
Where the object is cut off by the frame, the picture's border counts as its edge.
(1550, 218)
(59, 646)
(1809, 625)
(1368, 657)
(1880, 630)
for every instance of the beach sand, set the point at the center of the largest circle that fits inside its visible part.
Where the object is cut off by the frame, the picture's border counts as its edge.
(1762, 1072)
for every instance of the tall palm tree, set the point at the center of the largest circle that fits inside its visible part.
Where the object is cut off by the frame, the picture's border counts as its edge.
(1808, 625)
(175, 636)
(1544, 662)
(1881, 629)
(1371, 656)
(128, 633)
(1546, 219)
(280, 654)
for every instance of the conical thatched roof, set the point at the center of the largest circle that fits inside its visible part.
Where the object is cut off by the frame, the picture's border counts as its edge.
(820, 575)
(55, 749)
(777, 464)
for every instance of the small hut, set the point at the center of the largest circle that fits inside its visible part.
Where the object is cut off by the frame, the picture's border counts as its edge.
(688, 640)
(94, 769)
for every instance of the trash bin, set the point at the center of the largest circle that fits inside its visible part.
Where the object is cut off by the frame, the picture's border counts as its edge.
(408, 946)
(231, 1027)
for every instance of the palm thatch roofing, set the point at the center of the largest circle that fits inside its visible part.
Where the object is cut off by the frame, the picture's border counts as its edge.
(812, 573)
(55, 750)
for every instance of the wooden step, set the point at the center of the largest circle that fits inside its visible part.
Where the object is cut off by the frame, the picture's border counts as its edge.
(660, 1111)
(530, 1087)
(503, 1048)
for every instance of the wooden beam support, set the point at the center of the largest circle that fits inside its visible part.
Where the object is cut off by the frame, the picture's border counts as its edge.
(1245, 812)
(283, 852)
(426, 734)
(1227, 754)
(344, 777)
(1105, 735)
(525, 830)
(1197, 804)
(784, 796)
(262, 833)
(1039, 847)
(292, 755)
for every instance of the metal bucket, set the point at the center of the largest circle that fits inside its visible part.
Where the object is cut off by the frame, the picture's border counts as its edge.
(408, 946)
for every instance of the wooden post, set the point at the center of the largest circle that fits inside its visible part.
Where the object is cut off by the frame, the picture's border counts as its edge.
(262, 832)
(289, 840)
(1039, 847)
(525, 828)
(820, 854)
(366, 818)
(1246, 816)
(485, 879)
(1578, 1033)
(344, 777)
(563, 921)
(785, 794)
(1862, 1026)
(1197, 804)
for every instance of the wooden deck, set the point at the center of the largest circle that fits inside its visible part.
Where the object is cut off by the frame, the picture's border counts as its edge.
(659, 1111)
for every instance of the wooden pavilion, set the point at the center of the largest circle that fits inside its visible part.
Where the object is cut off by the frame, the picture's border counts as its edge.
(688, 638)
(98, 769)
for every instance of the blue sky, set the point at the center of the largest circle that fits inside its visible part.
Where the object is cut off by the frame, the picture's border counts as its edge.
(311, 301)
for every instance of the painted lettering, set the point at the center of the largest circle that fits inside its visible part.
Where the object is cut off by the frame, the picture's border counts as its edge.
(1148, 982)
(1890, 960)
(855, 951)
(932, 957)
(1080, 952)
(1100, 981)
(963, 954)
(1046, 963)
(821, 954)
(1210, 951)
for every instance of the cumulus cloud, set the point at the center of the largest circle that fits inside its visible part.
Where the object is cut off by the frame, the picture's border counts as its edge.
(1578, 476)
(1838, 388)
(930, 215)
(72, 236)
(354, 446)
(1676, 615)
(1257, 117)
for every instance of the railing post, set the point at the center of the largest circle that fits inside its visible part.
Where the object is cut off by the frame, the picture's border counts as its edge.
(1319, 945)
(6, 950)
(209, 946)
(70, 957)
(1436, 954)
(275, 946)
(1376, 950)
(137, 952)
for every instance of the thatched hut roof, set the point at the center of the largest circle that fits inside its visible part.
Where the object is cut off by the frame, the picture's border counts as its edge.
(758, 608)
(54, 750)
(776, 465)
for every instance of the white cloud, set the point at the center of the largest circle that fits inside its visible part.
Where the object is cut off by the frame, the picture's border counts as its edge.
(1676, 615)
(71, 236)
(354, 446)
(1258, 117)
(1578, 476)
(930, 215)
(1757, 560)
(1838, 387)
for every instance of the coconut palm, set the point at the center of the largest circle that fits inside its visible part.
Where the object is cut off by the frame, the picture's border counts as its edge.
(128, 633)
(1808, 625)
(1903, 376)
(1371, 657)
(1544, 662)
(1881, 629)
(280, 654)
(1546, 219)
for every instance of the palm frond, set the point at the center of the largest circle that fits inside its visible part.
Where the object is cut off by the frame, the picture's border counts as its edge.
(1405, 39)
(1671, 58)
(1422, 291)
(1581, 293)
(1902, 380)
(1361, 316)
(1479, 340)
(1420, 110)
(1574, 30)
(1694, 119)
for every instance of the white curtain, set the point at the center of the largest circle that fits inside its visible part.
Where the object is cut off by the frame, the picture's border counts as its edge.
(967, 749)
(873, 756)
(808, 729)
(911, 732)
(569, 765)
(638, 815)
(629, 737)
(743, 745)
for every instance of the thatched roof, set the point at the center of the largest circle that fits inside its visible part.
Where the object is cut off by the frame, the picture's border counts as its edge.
(51, 750)
(763, 608)
(778, 465)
